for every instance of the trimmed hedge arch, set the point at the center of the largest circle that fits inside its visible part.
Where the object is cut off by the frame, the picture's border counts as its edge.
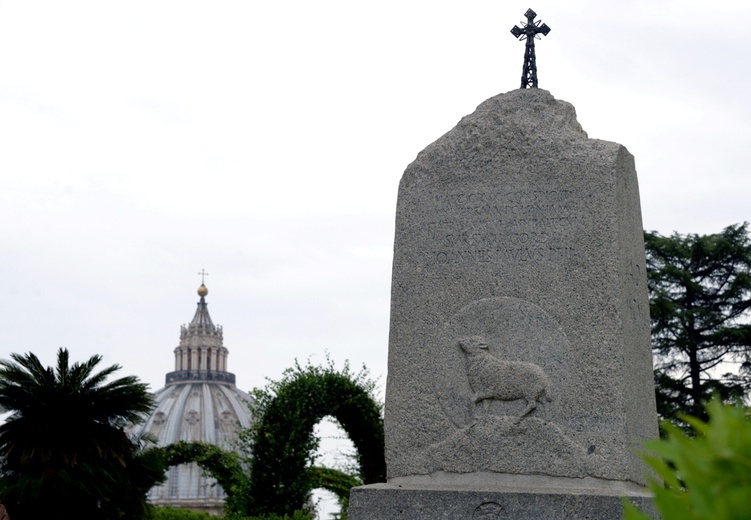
(222, 465)
(284, 444)
(225, 467)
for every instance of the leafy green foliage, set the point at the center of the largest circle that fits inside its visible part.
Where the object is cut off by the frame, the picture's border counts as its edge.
(283, 442)
(173, 513)
(700, 295)
(307, 394)
(337, 482)
(706, 476)
(296, 515)
(224, 466)
(64, 441)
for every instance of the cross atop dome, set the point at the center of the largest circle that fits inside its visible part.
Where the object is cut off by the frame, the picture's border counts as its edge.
(203, 291)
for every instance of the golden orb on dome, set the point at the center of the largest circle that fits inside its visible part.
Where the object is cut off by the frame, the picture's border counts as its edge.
(202, 291)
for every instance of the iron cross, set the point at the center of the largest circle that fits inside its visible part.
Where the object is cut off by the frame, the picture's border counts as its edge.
(529, 31)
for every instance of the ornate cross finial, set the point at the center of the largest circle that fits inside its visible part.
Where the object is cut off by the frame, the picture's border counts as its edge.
(530, 31)
(203, 274)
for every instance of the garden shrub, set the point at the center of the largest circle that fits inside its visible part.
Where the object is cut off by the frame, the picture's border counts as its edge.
(283, 441)
(706, 473)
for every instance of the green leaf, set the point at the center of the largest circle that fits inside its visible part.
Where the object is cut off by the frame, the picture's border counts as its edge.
(706, 472)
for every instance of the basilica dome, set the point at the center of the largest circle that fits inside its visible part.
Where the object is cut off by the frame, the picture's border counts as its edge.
(199, 402)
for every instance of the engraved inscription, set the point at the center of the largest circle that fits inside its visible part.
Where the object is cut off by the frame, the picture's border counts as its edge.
(489, 239)
(497, 226)
(502, 203)
(510, 208)
(519, 254)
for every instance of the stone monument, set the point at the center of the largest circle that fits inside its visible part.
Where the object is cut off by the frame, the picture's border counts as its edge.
(520, 372)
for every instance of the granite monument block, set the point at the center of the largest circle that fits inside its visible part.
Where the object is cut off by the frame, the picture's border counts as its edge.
(519, 350)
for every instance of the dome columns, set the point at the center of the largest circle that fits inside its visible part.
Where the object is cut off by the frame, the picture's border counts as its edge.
(201, 355)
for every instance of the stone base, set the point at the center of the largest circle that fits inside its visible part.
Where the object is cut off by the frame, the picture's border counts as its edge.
(392, 501)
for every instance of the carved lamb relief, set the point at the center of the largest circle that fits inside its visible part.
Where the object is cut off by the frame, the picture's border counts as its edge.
(492, 378)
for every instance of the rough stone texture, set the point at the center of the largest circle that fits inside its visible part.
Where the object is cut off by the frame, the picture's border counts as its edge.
(516, 231)
(384, 502)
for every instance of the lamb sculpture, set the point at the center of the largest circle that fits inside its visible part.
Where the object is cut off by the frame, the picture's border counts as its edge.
(493, 378)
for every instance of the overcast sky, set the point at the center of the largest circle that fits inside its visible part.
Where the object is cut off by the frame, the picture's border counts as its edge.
(141, 141)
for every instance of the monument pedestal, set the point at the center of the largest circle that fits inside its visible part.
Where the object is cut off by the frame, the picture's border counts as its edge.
(391, 501)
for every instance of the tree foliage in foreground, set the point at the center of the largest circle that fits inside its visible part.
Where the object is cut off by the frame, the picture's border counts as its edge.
(173, 513)
(283, 441)
(276, 482)
(700, 294)
(707, 474)
(64, 444)
(297, 515)
(224, 466)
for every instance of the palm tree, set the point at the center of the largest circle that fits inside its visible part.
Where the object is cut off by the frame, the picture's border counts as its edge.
(64, 447)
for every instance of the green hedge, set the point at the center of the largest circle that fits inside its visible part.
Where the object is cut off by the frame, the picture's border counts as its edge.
(172, 513)
(283, 441)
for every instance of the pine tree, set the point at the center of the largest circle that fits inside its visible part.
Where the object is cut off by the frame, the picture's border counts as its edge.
(700, 295)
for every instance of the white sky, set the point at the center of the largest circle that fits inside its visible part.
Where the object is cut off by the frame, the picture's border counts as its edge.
(143, 140)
